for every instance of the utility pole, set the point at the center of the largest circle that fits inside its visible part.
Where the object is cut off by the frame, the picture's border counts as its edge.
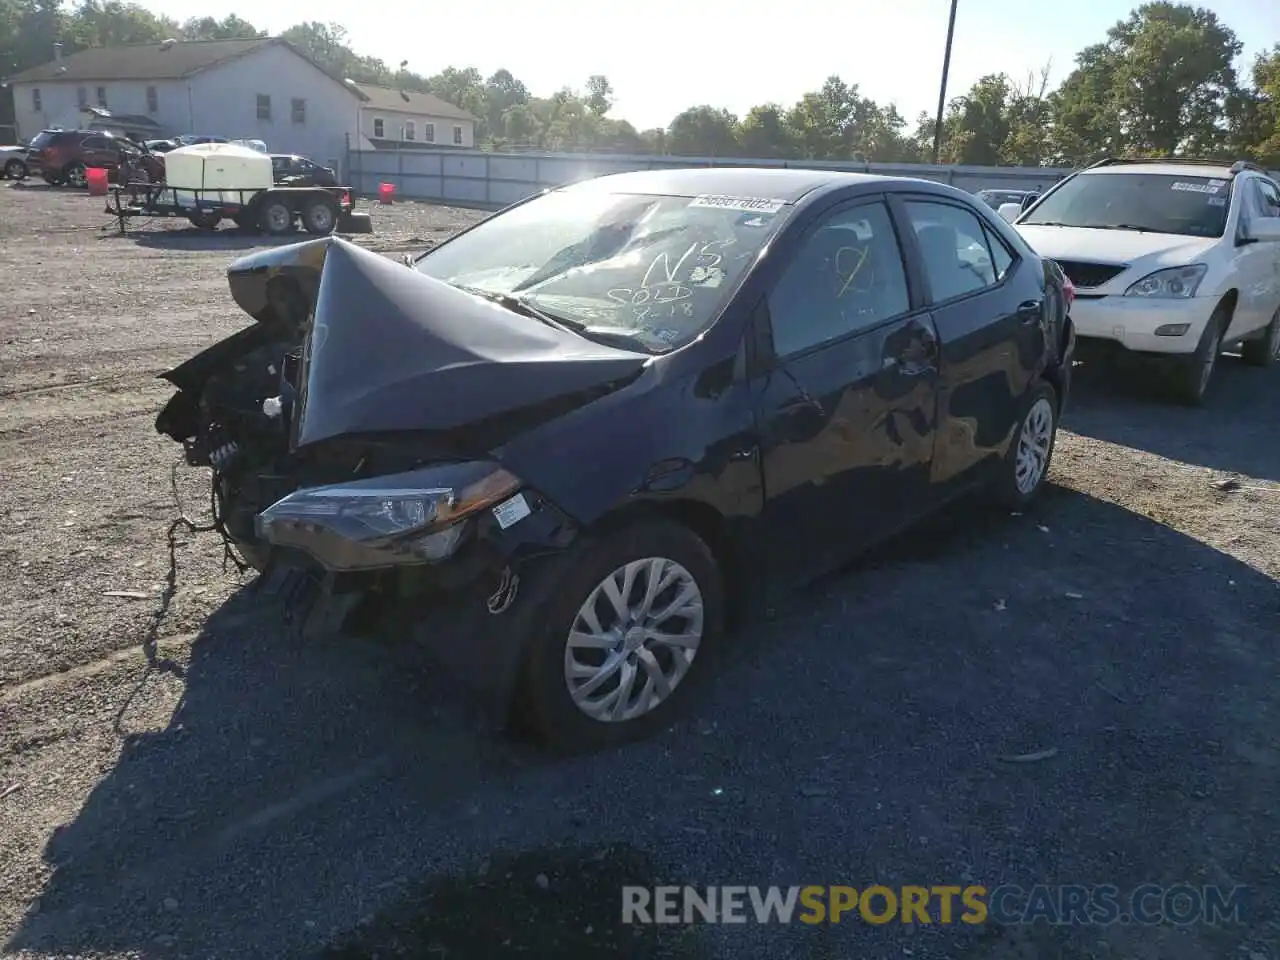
(942, 92)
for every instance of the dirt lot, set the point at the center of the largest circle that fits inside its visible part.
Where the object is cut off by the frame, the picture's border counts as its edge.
(210, 786)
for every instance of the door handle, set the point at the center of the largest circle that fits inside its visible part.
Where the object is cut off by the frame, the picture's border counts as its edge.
(1029, 310)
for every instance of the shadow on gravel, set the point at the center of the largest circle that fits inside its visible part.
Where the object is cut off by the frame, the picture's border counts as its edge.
(228, 238)
(1234, 432)
(332, 794)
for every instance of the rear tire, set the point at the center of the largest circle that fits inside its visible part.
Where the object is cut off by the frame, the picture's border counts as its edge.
(1026, 463)
(1264, 351)
(545, 702)
(1194, 374)
(320, 216)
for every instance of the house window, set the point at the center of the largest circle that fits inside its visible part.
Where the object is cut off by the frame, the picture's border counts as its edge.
(153, 100)
(429, 132)
(457, 136)
(264, 106)
(36, 105)
(82, 96)
(102, 96)
(410, 130)
(298, 109)
(378, 127)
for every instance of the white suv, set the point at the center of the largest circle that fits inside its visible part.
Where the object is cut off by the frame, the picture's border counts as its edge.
(1178, 258)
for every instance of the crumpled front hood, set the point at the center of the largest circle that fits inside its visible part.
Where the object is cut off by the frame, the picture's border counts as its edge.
(390, 349)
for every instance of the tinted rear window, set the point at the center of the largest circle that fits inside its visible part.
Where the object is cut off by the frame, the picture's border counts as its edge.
(42, 139)
(1193, 206)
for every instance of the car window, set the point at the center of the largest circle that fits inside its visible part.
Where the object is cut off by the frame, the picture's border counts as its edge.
(303, 165)
(94, 143)
(1268, 198)
(1001, 256)
(1187, 205)
(953, 246)
(846, 276)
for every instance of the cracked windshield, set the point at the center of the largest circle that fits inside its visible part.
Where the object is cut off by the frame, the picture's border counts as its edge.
(652, 270)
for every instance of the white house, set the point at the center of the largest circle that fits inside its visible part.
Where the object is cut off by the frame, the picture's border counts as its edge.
(264, 89)
(390, 117)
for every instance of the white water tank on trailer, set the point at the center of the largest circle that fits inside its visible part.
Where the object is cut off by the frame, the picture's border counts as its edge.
(217, 172)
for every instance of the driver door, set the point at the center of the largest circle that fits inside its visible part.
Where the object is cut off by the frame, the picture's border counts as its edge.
(847, 399)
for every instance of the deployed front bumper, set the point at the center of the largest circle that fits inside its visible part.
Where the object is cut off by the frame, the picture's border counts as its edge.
(1144, 325)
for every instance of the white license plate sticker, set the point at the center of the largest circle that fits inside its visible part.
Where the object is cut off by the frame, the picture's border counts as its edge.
(510, 512)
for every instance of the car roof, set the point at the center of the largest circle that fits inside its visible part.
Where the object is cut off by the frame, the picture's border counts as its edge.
(1171, 169)
(763, 183)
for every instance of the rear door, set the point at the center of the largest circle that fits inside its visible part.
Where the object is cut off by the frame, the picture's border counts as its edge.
(846, 396)
(993, 326)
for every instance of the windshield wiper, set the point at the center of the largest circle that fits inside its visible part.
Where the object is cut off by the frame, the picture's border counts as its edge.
(1126, 226)
(521, 305)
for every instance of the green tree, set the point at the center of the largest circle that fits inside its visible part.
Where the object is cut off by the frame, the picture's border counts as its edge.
(766, 133)
(599, 98)
(1254, 114)
(703, 131)
(229, 27)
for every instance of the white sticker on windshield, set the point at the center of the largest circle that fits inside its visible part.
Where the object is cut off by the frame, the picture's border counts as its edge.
(1198, 187)
(1217, 201)
(1217, 183)
(745, 204)
(512, 511)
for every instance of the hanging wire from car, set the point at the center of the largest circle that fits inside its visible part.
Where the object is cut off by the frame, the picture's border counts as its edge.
(183, 521)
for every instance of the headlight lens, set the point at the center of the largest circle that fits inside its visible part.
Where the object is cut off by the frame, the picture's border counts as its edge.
(382, 521)
(1175, 283)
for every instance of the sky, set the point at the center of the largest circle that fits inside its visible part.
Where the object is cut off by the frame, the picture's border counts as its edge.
(662, 56)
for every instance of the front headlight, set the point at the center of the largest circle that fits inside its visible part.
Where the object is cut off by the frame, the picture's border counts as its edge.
(413, 517)
(1174, 283)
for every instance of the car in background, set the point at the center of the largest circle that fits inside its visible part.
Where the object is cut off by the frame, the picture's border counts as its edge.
(161, 146)
(998, 198)
(258, 145)
(188, 140)
(62, 156)
(589, 430)
(13, 163)
(291, 170)
(1174, 259)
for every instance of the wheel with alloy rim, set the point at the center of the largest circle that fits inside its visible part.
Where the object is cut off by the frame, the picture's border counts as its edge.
(1195, 373)
(626, 638)
(1026, 465)
(1266, 349)
(15, 170)
(74, 175)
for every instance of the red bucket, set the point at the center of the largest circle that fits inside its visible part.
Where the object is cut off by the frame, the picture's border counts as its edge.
(96, 177)
(386, 191)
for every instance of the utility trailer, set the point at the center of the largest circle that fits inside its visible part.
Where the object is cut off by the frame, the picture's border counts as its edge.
(210, 182)
(274, 211)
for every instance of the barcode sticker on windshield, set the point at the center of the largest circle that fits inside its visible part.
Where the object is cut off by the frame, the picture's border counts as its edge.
(1217, 201)
(1197, 187)
(511, 512)
(1217, 183)
(745, 204)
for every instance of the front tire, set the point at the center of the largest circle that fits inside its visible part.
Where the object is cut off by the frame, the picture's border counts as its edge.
(74, 175)
(276, 218)
(1194, 374)
(1026, 464)
(1264, 351)
(15, 170)
(625, 640)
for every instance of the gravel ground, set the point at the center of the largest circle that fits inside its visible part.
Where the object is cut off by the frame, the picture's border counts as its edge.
(209, 786)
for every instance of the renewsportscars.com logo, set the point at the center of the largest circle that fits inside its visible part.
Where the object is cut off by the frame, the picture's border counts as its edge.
(1007, 905)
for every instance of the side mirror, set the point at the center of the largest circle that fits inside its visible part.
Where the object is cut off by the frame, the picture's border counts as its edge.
(1009, 211)
(1263, 229)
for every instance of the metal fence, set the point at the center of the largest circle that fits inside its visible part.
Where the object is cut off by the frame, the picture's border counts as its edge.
(483, 179)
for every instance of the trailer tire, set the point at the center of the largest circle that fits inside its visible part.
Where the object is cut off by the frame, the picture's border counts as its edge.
(204, 220)
(320, 216)
(276, 218)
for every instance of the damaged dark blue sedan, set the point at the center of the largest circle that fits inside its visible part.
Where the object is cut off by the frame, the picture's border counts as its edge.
(588, 433)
